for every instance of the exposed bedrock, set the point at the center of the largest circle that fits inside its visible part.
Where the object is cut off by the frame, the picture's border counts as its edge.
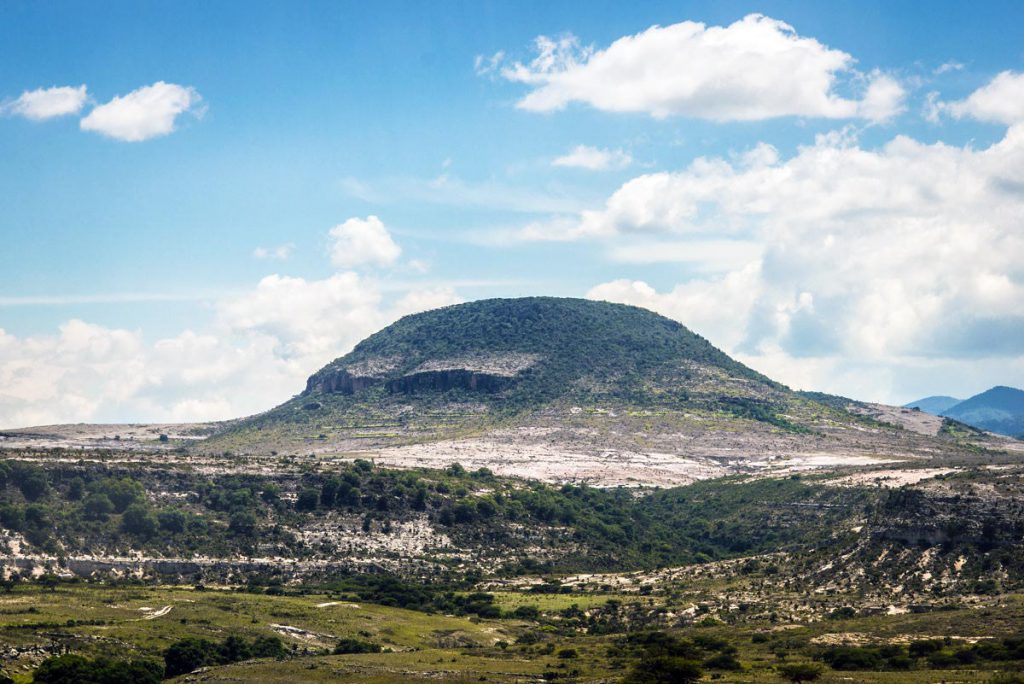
(340, 381)
(444, 380)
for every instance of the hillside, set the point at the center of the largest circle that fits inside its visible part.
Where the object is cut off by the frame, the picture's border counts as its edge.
(571, 390)
(543, 489)
(934, 405)
(1000, 410)
(523, 353)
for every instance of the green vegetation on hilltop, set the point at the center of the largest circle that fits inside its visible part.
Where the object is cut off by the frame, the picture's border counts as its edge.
(582, 347)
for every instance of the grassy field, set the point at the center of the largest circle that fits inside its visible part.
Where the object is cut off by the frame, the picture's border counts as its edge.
(141, 621)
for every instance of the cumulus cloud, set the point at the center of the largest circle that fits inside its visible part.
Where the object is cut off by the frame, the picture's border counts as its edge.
(593, 159)
(262, 347)
(870, 256)
(947, 67)
(280, 253)
(148, 112)
(756, 68)
(47, 103)
(999, 101)
(306, 317)
(710, 307)
(358, 242)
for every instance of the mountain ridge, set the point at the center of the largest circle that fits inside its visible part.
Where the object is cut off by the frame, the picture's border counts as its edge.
(999, 409)
(934, 405)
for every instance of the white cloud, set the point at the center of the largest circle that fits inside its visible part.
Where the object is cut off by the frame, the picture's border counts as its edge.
(306, 317)
(358, 242)
(594, 159)
(714, 308)
(756, 68)
(259, 350)
(280, 253)
(484, 66)
(47, 103)
(999, 101)
(148, 112)
(891, 258)
(883, 99)
(947, 67)
(263, 346)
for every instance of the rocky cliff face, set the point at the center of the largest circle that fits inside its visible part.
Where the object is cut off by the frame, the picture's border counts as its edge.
(475, 373)
(921, 518)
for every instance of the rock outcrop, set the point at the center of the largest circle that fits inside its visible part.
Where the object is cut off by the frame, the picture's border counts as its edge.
(475, 373)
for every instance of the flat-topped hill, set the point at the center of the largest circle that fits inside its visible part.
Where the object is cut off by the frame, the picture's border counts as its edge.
(521, 353)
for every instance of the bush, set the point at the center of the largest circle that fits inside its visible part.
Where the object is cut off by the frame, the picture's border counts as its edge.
(123, 492)
(75, 669)
(33, 486)
(139, 521)
(307, 500)
(268, 647)
(172, 520)
(12, 517)
(800, 672)
(664, 670)
(243, 523)
(723, 661)
(97, 506)
(347, 646)
(76, 489)
(190, 654)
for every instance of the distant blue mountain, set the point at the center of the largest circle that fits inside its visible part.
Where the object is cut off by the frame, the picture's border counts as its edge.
(1000, 409)
(934, 405)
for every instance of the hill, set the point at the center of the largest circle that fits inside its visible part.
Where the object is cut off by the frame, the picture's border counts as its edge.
(999, 410)
(525, 352)
(934, 405)
(570, 390)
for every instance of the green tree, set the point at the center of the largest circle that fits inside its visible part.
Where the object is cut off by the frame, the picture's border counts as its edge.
(664, 670)
(75, 669)
(307, 500)
(190, 654)
(139, 521)
(76, 489)
(97, 506)
(243, 523)
(329, 492)
(800, 672)
(172, 520)
(123, 492)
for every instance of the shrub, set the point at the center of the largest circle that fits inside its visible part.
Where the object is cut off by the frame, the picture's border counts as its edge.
(172, 520)
(243, 523)
(97, 506)
(307, 500)
(190, 654)
(75, 669)
(347, 646)
(33, 485)
(268, 647)
(664, 670)
(12, 517)
(800, 672)
(723, 661)
(139, 521)
(123, 492)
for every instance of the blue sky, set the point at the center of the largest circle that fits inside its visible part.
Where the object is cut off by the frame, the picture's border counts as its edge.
(191, 247)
